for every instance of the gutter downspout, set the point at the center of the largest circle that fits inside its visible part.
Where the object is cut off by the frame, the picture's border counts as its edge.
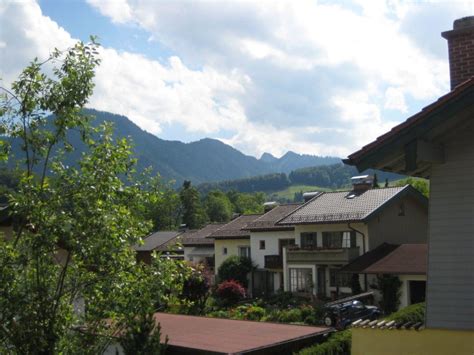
(363, 249)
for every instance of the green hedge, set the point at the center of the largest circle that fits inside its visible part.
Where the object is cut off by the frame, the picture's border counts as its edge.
(338, 344)
(413, 313)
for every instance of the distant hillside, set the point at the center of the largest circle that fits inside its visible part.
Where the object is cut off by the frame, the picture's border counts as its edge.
(292, 161)
(335, 176)
(202, 161)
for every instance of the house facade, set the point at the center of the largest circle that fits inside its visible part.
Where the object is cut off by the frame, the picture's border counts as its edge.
(198, 248)
(267, 242)
(232, 239)
(334, 228)
(437, 144)
(408, 262)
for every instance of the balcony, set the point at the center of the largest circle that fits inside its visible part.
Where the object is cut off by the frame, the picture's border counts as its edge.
(273, 262)
(322, 255)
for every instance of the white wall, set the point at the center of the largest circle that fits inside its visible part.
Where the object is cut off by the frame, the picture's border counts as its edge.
(232, 246)
(405, 289)
(271, 245)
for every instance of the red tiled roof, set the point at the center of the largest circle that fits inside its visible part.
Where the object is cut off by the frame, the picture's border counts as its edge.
(404, 259)
(411, 121)
(228, 336)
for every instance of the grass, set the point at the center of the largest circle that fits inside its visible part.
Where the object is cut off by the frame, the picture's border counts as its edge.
(289, 193)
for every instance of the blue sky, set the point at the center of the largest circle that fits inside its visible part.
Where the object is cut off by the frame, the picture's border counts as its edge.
(315, 77)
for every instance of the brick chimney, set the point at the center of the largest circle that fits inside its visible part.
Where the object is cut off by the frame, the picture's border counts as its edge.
(461, 50)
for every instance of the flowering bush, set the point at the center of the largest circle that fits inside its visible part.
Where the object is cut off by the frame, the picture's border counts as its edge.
(230, 292)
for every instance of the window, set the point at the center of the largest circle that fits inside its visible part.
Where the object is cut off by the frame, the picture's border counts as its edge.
(339, 239)
(308, 240)
(224, 251)
(262, 245)
(244, 251)
(401, 210)
(301, 279)
(339, 279)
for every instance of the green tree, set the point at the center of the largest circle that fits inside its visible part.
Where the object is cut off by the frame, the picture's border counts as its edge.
(235, 268)
(245, 203)
(194, 215)
(421, 185)
(375, 182)
(9, 182)
(164, 204)
(75, 226)
(218, 206)
(389, 287)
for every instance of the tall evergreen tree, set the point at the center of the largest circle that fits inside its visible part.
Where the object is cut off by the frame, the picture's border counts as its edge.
(194, 215)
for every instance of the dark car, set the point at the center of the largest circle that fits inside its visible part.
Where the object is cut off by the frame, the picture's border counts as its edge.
(341, 315)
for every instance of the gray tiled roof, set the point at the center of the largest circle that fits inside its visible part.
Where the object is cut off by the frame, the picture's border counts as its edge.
(335, 207)
(157, 239)
(235, 228)
(199, 236)
(268, 220)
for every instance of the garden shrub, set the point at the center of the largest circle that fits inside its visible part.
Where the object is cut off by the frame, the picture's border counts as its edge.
(306, 310)
(235, 268)
(284, 299)
(337, 344)
(230, 292)
(413, 313)
(290, 315)
(389, 287)
(196, 290)
(218, 314)
(355, 284)
(254, 313)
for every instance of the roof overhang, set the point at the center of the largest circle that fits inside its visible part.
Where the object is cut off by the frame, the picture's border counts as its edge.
(415, 145)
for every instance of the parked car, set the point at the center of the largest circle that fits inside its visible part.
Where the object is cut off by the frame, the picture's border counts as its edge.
(341, 315)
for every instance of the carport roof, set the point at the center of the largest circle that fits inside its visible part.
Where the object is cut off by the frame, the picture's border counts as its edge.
(404, 259)
(225, 336)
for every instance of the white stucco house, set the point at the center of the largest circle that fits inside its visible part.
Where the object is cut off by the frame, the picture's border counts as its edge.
(267, 241)
(334, 228)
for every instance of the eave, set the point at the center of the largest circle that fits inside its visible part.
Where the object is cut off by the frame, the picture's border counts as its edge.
(415, 145)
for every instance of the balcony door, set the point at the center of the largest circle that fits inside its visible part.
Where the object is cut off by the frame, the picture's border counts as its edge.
(284, 243)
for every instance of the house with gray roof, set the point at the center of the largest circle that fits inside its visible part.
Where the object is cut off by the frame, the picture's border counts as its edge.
(165, 242)
(198, 248)
(267, 240)
(232, 239)
(334, 228)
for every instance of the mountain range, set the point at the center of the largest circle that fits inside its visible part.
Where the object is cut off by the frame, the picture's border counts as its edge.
(206, 160)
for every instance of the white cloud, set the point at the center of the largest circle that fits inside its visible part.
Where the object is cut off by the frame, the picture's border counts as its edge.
(395, 100)
(360, 48)
(26, 34)
(312, 77)
(362, 117)
(154, 94)
(117, 10)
